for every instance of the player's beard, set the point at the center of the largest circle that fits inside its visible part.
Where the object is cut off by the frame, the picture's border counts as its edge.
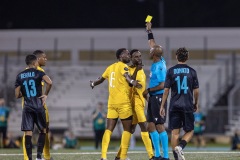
(127, 60)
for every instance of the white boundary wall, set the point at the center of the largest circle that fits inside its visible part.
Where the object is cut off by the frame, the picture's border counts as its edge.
(111, 39)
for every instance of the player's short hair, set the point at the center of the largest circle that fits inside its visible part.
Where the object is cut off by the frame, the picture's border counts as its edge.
(30, 59)
(182, 54)
(119, 52)
(157, 50)
(38, 52)
(132, 51)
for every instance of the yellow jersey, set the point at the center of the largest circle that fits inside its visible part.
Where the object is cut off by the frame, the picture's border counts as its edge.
(137, 92)
(118, 87)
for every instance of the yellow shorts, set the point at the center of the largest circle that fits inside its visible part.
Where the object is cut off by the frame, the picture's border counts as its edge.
(138, 112)
(121, 111)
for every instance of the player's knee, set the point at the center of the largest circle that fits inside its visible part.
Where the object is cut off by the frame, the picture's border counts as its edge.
(188, 131)
(133, 129)
(160, 128)
(143, 126)
(28, 133)
(43, 130)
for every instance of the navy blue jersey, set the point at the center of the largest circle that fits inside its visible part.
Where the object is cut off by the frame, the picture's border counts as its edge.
(31, 87)
(182, 79)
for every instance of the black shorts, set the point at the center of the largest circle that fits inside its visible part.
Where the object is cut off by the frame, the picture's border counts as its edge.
(179, 119)
(153, 115)
(3, 131)
(32, 116)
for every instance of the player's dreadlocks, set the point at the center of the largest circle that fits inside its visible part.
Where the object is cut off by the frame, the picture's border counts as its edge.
(182, 54)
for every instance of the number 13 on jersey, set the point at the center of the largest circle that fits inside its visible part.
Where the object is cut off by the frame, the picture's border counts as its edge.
(32, 92)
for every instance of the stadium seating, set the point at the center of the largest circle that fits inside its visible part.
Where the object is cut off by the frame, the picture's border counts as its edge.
(72, 101)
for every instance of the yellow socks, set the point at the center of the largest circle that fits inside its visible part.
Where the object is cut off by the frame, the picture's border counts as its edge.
(125, 140)
(105, 143)
(46, 149)
(148, 144)
(25, 157)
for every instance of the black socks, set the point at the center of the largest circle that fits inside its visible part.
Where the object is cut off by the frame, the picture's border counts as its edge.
(182, 144)
(28, 145)
(40, 145)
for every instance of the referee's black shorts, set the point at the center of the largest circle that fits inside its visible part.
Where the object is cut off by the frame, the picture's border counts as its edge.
(31, 116)
(153, 115)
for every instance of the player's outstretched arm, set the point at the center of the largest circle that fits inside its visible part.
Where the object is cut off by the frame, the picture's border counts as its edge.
(164, 99)
(132, 81)
(96, 82)
(151, 40)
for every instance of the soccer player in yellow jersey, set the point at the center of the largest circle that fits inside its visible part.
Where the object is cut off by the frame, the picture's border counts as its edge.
(119, 104)
(42, 59)
(138, 101)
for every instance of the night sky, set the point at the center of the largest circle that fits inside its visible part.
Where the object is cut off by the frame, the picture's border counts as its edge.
(35, 14)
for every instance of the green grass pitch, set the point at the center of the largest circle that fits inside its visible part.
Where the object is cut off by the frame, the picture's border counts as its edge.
(76, 154)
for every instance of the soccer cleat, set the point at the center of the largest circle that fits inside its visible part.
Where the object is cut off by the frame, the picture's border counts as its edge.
(152, 158)
(39, 159)
(157, 158)
(116, 158)
(179, 152)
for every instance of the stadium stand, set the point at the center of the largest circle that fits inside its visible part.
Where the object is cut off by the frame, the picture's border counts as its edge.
(72, 101)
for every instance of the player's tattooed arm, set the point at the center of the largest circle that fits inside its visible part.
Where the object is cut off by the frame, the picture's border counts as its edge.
(18, 93)
(132, 81)
(96, 82)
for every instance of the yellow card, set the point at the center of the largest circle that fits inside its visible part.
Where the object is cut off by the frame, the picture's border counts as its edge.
(148, 19)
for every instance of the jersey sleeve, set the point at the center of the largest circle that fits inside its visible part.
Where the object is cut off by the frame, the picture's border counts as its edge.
(167, 83)
(17, 82)
(106, 73)
(195, 80)
(41, 74)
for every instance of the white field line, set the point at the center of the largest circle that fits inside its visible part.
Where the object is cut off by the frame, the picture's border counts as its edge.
(87, 153)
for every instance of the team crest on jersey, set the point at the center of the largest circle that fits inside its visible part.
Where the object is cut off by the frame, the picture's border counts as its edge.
(126, 69)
